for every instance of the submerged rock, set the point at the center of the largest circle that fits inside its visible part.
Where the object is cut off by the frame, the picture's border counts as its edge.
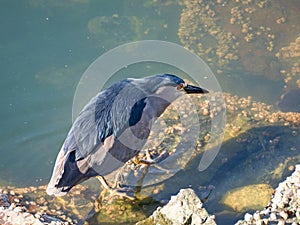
(248, 197)
(289, 56)
(107, 28)
(290, 101)
(184, 208)
(223, 32)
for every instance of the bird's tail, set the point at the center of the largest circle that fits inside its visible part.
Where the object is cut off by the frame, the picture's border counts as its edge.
(66, 173)
(57, 174)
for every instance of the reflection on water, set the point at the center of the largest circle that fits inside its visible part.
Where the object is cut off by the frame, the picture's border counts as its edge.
(252, 46)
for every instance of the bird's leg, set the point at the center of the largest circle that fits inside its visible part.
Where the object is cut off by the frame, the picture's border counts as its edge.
(149, 160)
(119, 178)
(139, 183)
(112, 190)
(104, 183)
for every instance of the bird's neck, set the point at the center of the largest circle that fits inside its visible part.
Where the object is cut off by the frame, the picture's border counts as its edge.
(158, 105)
(163, 97)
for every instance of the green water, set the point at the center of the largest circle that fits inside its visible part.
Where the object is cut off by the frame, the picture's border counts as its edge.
(45, 46)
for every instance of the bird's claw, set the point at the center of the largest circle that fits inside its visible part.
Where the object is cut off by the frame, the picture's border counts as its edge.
(114, 191)
(149, 160)
(117, 192)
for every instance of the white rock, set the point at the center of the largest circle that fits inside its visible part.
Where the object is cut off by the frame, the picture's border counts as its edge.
(284, 215)
(256, 216)
(18, 209)
(259, 222)
(199, 205)
(248, 217)
(298, 214)
(273, 216)
(182, 208)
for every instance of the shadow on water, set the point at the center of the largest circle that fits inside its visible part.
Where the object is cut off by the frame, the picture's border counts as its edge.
(259, 155)
(262, 155)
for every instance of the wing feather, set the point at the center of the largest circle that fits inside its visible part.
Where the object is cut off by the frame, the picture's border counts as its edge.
(110, 112)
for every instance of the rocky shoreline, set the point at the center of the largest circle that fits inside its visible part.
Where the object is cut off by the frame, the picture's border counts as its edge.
(184, 208)
(284, 207)
(17, 209)
(32, 206)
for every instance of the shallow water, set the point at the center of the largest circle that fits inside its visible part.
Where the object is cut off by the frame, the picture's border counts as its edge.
(45, 48)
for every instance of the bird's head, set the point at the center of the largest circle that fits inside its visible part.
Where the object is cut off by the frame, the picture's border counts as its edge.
(181, 85)
(168, 84)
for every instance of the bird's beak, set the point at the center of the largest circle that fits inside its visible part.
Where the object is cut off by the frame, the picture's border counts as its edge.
(190, 89)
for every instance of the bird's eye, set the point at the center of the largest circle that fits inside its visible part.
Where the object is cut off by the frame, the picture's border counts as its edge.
(180, 86)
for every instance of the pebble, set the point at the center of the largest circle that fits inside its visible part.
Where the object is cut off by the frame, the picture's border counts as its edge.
(205, 112)
(155, 191)
(291, 168)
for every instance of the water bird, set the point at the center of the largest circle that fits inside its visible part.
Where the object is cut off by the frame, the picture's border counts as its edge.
(113, 128)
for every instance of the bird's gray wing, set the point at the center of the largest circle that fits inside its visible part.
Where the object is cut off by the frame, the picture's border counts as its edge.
(108, 113)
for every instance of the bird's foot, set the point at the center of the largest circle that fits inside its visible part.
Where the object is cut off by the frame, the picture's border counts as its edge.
(114, 191)
(121, 193)
(148, 160)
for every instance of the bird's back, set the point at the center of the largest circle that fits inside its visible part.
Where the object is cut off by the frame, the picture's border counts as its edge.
(101, 138)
